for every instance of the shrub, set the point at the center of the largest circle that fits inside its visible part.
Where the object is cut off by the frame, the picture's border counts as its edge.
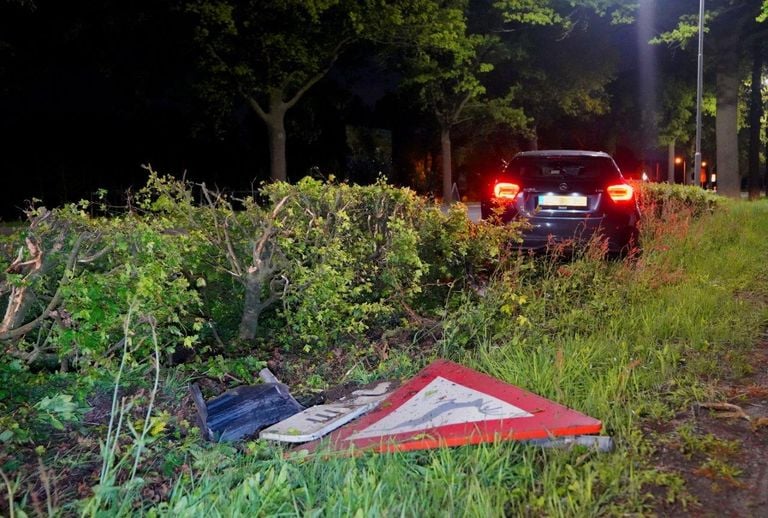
(662, 199)
(74, 277)
(305, 266)
(361, 255)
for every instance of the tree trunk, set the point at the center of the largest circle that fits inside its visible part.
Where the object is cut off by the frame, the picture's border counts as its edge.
(276, 128)
(21, 297)
(252, 306)
(20, 300)
(445, 147)
(533, 142)
(726, 122)
(274, 118)
(755, 115)
(671, 161)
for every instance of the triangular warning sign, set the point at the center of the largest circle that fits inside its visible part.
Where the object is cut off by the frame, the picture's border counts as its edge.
(442, 402)
(450, 405)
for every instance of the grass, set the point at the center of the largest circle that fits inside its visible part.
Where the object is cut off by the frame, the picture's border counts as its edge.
(640, 341)
(625, 342)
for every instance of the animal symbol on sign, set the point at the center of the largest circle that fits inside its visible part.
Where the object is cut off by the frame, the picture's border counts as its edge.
(484, 407)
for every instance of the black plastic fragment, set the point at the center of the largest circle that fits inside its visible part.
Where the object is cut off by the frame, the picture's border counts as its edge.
(243, 411)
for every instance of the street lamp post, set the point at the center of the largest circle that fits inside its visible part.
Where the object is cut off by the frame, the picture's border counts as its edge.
(699, 88)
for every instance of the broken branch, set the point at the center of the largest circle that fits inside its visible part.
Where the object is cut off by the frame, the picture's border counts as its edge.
(55, 300)
(726, 410)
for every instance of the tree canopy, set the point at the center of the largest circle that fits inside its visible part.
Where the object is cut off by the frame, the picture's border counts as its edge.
(270, 90)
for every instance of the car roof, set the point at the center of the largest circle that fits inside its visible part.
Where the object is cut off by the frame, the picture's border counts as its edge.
(563, 153)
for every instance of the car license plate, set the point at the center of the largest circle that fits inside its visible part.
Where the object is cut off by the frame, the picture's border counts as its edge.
(550, 200)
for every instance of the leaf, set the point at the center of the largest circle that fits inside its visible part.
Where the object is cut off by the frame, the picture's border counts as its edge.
(55, 423)
(157, 426)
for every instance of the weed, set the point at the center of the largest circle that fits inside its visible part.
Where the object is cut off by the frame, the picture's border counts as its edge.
(675, 489)
(691, 443)
(718, 470)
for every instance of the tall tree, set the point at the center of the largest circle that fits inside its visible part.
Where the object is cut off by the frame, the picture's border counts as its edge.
(755, 119)
(564, 72)
(733, 26)
(450, 61)
(445, 67)
(676, 118)
(563, 60)
(271, 53)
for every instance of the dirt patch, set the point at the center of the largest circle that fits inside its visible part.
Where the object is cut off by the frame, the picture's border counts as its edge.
(69, 468)
(719, 450)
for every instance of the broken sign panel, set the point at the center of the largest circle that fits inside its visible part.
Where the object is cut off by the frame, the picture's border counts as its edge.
(243, 411)
(318, 421)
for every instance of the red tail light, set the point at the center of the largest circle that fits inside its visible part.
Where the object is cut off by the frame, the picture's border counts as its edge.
(620, 192)
(506, 190)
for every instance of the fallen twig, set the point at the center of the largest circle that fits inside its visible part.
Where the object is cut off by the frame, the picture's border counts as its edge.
(727, 410)
(760, 422)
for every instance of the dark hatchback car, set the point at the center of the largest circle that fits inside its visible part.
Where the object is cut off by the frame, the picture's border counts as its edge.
(565, 196)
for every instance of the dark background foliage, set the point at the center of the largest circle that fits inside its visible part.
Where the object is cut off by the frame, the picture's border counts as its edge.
(91, 90)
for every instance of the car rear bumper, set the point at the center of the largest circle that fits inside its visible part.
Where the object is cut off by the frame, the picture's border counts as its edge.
(619, 229)
(545, 232)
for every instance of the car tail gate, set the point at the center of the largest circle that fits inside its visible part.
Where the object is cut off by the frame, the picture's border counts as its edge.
(568, 197)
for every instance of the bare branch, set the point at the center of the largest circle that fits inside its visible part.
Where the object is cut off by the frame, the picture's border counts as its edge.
(38, 219)
(55, 300)
(256, 107)
(222, 233)
(317, 77)
(216, 336)
(259, 246)
(95, 257)
(35, 354)
(37, 257)
(462, 104)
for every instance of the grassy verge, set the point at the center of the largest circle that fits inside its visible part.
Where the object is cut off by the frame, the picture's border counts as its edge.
(624, 342)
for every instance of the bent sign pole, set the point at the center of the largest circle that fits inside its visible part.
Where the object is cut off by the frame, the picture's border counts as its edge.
(447, 404)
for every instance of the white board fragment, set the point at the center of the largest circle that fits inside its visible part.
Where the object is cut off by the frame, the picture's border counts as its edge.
(318, 421)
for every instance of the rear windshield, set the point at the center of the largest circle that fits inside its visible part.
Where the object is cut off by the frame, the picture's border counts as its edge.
(562, 167)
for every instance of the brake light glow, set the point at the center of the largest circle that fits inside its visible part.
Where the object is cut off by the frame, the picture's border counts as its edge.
(506, 190)
(620, 192)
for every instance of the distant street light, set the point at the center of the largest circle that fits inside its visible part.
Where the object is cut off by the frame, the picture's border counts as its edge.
(702, 175)
(678, 161)
(699, 88)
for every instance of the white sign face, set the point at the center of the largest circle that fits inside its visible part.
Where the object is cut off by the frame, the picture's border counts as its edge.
(317, 421)
(442, 402)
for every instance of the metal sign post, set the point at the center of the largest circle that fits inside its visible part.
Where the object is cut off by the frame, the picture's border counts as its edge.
(699, 88)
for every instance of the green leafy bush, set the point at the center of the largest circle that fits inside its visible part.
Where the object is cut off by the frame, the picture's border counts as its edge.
(74, 277)
(308, 266)
(362, 255)
(664, 198)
